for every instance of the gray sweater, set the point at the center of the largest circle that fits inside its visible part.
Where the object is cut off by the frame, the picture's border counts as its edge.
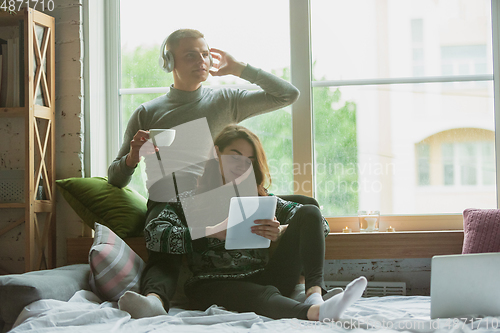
(221, 107)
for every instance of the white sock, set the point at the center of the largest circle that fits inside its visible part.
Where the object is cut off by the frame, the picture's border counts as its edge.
(141, 306)
(332, 292)
(334, 307)
(314, 298)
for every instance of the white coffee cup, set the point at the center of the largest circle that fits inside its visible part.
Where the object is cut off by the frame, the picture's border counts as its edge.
(162, 137)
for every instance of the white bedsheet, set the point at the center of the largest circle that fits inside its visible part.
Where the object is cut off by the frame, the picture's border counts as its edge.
(84, 312)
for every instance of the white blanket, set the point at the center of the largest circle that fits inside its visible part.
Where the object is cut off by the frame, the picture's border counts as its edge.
(84, 312)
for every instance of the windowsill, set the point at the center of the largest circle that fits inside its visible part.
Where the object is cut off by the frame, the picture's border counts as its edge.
(393, 245)
(379, 245)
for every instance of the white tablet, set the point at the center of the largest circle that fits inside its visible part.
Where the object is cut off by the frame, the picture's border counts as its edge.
(243, 211)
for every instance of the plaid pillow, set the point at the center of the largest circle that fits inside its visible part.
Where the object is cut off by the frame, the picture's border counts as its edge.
(114, 267)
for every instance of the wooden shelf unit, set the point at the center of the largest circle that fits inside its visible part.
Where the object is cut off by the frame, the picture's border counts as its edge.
(39, 129)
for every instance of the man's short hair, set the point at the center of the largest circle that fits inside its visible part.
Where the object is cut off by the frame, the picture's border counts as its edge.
(175, 37)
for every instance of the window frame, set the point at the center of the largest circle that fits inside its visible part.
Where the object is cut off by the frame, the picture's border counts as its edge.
(302, 110)
(101, 68)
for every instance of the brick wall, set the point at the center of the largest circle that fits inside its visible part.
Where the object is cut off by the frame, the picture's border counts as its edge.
(69, 113)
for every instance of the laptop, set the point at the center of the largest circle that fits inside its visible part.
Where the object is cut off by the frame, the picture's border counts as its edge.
(465, 285)
(243, 211)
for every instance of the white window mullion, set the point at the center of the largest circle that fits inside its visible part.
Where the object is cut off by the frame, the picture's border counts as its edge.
(495, 22)
(403, 80)
(95, 112)
(113, 65)
(301, 77)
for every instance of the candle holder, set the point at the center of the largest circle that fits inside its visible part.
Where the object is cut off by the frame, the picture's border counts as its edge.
(390, 229)
(368, 220)
(346, 230)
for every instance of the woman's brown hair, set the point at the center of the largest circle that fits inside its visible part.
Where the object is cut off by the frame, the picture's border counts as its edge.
(231, 133)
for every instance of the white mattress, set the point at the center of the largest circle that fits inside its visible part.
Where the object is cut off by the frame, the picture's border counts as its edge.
(84, 312)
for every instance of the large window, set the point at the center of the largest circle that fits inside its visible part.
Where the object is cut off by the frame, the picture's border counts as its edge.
(399, 71)
(401, 94)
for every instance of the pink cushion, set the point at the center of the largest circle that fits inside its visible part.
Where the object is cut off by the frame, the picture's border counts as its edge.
(481, 230)
(114, 267)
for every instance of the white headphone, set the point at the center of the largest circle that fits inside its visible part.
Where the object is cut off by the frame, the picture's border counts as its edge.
(166, 60)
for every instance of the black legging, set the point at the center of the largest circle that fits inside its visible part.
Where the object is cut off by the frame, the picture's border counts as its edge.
(301, 246)
(162, 269)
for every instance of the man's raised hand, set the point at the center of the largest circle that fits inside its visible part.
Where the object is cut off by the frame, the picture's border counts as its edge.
(226, 64)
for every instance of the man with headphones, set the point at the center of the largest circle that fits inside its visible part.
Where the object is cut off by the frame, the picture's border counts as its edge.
(186, 54)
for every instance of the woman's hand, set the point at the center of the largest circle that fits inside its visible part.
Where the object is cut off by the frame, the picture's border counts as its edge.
(226, 65)
(217, 231)
(270, 229)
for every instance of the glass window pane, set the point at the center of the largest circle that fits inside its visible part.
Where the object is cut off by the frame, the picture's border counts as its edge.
(140, 68)
(275, 132)
(365, 39)
(128, 105)
(336, 152)
(374, 163)
(264, 45)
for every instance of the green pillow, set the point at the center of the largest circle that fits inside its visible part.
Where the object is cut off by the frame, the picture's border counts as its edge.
(123, 210)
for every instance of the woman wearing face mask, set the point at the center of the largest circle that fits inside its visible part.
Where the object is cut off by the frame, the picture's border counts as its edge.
(250, 280)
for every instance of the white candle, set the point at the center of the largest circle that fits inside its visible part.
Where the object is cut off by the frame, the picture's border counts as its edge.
(346, 230)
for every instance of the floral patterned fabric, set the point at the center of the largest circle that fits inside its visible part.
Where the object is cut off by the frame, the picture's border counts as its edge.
(169, 232)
